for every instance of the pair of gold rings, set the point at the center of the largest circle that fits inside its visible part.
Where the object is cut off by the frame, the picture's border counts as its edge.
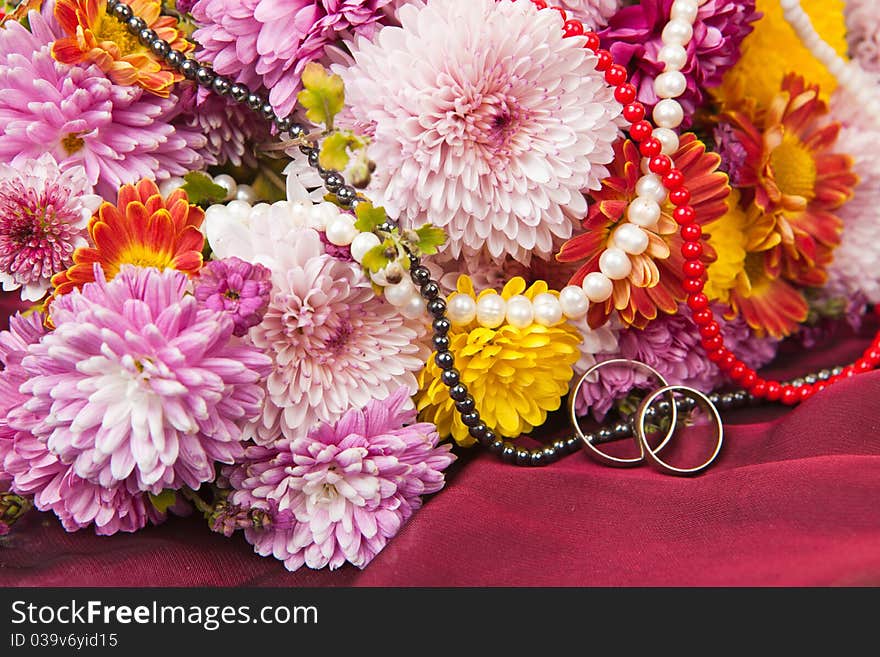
(647, 452)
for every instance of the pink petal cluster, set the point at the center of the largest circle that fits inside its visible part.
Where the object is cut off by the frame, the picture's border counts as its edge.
(44, 212)
(139, 386)
(485, 121)
(33, 470)
(267, 43)
(117, 134)
(633, 36)
(593, 13)
(340, 493)
(236, 288)
(334, 344)
(854, 272)
(863, 33)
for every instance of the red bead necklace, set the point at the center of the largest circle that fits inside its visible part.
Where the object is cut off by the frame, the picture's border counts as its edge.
(684, 214)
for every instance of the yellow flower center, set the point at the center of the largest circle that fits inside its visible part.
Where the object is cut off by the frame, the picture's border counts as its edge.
(141, 256)
(794, 168)
(108, 28)
(72, 143)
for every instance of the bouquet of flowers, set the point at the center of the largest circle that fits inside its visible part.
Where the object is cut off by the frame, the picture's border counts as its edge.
(275, 262)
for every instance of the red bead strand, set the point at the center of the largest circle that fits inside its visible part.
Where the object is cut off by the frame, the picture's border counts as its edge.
(693, 269)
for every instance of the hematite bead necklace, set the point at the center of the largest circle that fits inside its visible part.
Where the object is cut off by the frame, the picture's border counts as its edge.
(429, 288)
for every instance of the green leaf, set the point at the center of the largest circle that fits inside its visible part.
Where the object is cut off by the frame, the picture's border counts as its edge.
(431, 239)
(201, 190)
(377, 258)
(337, 148)
(164, 500)
(323, 94)
(369, 218)
(334, 152)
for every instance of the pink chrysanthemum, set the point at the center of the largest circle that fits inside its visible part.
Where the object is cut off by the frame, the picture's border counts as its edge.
(266, 43)
(854, 269)
(118, 134)
(485, 121)
(339, 494)
(138, 384)
(236, 288)
(33, 470)
(334, 344)
(232, 134)
(593, 13)
(44, 212)
(863, 32)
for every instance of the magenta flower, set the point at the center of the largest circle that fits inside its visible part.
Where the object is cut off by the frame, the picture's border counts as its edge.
(118, 134)
(137, 384)
(339, 494)
(267, 43)
(236, 288)
(633, 37)
(44, 212)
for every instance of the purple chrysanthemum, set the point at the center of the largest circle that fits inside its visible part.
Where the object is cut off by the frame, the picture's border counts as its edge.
(232, 134)
(593, 13)
(267, 43)
(44, 212)
(339, 494)
(633, 37)
(671, 345)
(118, 134)
(236, 288)
(138, 384)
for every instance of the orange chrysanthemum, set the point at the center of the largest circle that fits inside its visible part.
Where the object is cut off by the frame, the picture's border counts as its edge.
(142, 229)
(654, 285)
(792, 175)
(94, 36)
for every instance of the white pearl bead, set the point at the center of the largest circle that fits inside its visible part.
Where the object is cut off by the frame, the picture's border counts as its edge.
(668, 140)
(574, 301)
(651, 187)
(646, 166)
(399, 295)
(363, 244)
(246, 193)
(675, 57)
(597, 286)
(228, 183)
(684, 10)
(677, 33)
(322, 215)
(519, 311)
(643, 212)
(670, 84)
(668, 113)
(414, 307)
(341, 230)
(631, 239)
(615, 264)
(461, 309)
(240, 210)
(548, 311)
(491, 310)
(171, 185)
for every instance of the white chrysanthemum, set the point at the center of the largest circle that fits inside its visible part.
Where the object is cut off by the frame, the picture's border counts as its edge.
(484, 120)
(854, 268)
(333, 343)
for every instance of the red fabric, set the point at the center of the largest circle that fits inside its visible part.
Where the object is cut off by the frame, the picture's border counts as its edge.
(793, 500)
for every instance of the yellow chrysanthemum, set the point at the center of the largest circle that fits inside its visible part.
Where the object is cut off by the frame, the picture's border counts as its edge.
(728, 238)
(774, 50)
(516, 376)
